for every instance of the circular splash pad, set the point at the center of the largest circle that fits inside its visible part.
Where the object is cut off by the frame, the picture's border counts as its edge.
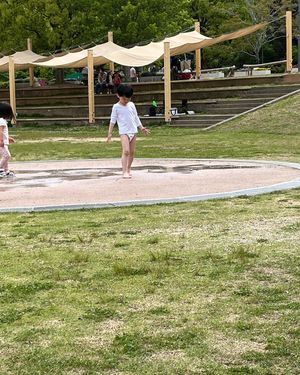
(76, 184)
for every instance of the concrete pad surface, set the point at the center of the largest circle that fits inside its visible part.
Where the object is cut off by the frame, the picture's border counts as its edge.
(87, 183)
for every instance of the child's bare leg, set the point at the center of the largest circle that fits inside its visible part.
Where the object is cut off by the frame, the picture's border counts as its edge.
(125, 155)
(132, 145)
(5, 158)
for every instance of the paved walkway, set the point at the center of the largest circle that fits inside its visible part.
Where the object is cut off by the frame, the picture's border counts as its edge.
(58, 185)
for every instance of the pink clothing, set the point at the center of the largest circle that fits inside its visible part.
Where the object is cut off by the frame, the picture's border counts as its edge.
(3, 124)
(4, 151)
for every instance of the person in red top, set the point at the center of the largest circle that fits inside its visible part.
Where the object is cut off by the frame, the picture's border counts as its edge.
(116, 80)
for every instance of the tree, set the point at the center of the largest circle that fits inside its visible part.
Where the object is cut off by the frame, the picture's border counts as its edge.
(52, 24)
(56, 24)
(260, 11)
(217, 17)
(59, 24)
(143, 20)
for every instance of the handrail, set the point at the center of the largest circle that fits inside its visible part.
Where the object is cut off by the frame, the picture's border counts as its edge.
(218, 69)
(251, 67)
(265, 64)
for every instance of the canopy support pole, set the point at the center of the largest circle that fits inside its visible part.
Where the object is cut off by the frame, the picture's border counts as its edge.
(91, 87)
(289, 41)
(198, 54)
(167, 81)
(31, 68)
(110, 37)
(12, 86)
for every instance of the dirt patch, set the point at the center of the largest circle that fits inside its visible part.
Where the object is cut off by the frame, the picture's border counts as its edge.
(172, 355)
(69, 139)
(104, 336)
(229, 348)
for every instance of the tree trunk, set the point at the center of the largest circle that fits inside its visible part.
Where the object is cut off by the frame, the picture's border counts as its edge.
(59, 76)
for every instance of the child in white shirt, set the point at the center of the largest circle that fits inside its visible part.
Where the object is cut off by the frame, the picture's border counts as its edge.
(6, 113)
(125, 114)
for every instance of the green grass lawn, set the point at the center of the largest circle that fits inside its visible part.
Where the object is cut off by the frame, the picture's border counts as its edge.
(197, 288)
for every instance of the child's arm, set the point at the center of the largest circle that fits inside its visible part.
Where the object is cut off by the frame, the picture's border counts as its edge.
(110, 130)
(146, 131)
(11, 140)
(113, 120)
(14, 119)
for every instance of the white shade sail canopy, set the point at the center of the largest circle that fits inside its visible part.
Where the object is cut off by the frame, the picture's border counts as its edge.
(135, 56)
(79, 59)
(22, 60)
(147, 54)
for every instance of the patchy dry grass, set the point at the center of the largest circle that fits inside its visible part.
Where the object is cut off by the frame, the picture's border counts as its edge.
(200, 288)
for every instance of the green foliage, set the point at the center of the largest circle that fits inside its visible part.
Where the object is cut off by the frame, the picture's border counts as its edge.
(58, 24)
(52, 24)
(3, 77)
(217, 17)
(46, 73)
(143, 20)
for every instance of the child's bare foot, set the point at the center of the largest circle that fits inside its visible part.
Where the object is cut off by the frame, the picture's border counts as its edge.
(126, 175)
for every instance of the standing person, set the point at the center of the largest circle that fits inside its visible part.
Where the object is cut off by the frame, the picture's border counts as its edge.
(125, 114)
(116, 79)
(85, 74)
(6, 113)
(101, 86)
(109, 82)
(132, 74)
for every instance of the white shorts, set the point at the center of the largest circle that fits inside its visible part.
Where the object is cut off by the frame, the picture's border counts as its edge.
(130, 136)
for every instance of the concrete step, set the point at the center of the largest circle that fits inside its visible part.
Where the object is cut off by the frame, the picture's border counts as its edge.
(200, 118)
(226, 111)
(219, 102)
(142, 97)
(199, 121)
(187, 119)
(71, 89)
(207, 105)
(105, 110)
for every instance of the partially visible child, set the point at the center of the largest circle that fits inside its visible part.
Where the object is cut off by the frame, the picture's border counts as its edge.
(124, 113)
(6, 113)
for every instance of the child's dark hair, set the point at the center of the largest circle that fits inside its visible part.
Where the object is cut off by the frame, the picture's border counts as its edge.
(125, 90)
(6, 111)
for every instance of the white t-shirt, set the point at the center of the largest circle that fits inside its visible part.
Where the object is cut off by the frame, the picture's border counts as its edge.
(127, 118)
(4, 128)
(132, 72)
